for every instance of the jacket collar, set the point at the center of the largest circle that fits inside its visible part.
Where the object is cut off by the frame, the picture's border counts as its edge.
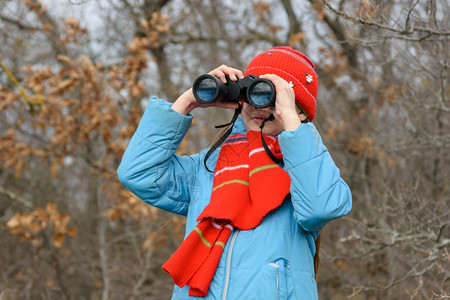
(239, 126)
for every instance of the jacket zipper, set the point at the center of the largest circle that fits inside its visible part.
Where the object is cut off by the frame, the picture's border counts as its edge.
(277, 270)
(228, 270)
(278, 282)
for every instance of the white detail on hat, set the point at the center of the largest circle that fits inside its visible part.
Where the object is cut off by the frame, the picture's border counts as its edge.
(309, 78)
(291, 84)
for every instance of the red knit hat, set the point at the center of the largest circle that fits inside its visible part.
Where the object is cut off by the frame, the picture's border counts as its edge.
(294, 67)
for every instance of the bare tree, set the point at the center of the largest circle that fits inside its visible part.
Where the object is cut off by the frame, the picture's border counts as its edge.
(71, 97)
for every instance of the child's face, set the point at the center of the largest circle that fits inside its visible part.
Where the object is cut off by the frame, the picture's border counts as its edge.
(253, 118)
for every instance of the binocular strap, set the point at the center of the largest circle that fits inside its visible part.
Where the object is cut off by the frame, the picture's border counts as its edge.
(271, 155)
(224, 136)
(266, 148)
(228, 132)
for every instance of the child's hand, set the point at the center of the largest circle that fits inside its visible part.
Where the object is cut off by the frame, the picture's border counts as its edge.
(224, 70)
(285, 107)
(187, 102)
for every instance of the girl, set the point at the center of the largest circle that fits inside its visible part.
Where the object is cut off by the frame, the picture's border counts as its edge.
(252, 224)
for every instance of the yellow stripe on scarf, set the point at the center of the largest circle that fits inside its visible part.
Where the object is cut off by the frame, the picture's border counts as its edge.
(262, 168)
(231, 181)
(200, 233)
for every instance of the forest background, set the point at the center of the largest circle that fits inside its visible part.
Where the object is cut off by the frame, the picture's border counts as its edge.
(74, 80)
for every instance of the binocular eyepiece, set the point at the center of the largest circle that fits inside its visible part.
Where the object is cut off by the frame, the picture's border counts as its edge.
(258, 92)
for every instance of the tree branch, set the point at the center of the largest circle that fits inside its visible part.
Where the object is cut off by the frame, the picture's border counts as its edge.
(19, 24)
(16, 198)
(407, 31)
(348, 48)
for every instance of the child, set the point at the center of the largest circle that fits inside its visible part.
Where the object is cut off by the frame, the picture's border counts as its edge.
(252, 224)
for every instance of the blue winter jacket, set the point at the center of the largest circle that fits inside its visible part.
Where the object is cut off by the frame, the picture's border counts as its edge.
(272, 261)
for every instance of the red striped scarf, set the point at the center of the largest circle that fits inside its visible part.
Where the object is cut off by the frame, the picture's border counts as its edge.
(247, 186)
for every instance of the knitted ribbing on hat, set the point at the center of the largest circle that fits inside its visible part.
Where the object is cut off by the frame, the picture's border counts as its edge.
(247, 186)
(294, 67)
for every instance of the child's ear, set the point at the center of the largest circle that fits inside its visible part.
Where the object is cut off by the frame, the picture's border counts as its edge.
(302, 116)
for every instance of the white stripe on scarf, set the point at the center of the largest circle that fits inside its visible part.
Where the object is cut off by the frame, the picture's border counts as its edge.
(231, 168)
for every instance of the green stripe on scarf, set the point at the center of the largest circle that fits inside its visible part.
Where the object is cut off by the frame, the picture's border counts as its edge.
(262, 168)
(200, 233)
(231, 181)
(219, 243)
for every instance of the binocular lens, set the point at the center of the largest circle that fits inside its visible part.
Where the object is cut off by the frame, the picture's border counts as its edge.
(207, 89)
(261, 94)
(258, 92)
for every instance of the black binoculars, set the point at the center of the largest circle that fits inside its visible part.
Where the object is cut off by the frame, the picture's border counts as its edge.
(258, 92)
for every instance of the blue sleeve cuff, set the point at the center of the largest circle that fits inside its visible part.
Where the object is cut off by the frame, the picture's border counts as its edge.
(162, 126)
(300, 145)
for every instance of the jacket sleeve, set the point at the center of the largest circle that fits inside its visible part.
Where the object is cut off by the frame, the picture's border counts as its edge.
(318, 192)
(150, 168)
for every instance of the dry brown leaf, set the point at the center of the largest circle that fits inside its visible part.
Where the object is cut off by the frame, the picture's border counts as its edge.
(58, 240)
